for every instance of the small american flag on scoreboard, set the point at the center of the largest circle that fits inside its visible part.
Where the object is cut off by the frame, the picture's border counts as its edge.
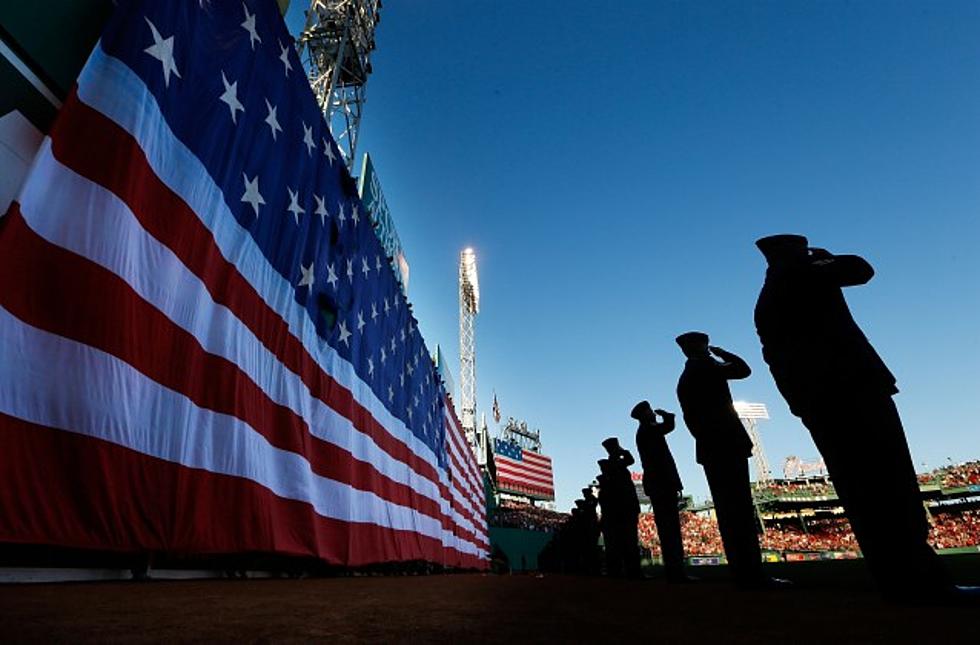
(522, 470)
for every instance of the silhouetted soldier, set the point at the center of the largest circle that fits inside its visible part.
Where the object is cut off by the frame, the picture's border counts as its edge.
(590, 520)
(628, 515)
(833, 379)
(610, 522)
(723, 448)
(662, 484)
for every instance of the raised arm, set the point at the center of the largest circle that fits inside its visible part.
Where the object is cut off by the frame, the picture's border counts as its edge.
(668, 424)
(841, 270)
(732, 366)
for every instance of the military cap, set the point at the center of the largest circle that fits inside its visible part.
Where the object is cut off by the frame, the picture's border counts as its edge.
(692, 338)
(638, 409)
(775, 245)
(611, 445)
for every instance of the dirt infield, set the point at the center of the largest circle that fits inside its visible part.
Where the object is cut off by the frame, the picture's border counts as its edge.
(826, 607)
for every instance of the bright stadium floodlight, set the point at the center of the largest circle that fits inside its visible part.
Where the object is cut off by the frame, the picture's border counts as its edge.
(751, 410)
(750, 413)
(468, 279)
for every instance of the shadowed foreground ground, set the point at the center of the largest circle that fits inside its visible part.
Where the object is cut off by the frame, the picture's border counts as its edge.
(833, 603)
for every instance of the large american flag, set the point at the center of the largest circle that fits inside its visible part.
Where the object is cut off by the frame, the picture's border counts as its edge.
(523, 471)
(204, 348)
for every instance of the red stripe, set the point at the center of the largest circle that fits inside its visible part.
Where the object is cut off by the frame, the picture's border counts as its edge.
(95, 494)
(98, 149)
(89, 295)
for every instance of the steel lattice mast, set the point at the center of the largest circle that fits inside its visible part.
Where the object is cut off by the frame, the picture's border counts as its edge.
(469, 307)
(335, 48)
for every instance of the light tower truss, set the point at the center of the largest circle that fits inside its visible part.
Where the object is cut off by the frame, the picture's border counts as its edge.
(335, 48)
(750, 414)
(469, 307)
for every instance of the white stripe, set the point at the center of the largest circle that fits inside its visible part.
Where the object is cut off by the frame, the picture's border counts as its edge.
(98, 395)
(31, 77)
(536, 458)
(110, 87)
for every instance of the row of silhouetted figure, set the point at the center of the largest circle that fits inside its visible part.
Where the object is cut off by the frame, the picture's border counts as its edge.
(835, 382)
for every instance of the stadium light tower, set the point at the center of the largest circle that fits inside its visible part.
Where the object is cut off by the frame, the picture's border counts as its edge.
(335, 48)
(469, 307)
(750, 414)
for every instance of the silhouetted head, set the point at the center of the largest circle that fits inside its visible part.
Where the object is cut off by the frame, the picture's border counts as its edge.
(587, 492)
(694, 344)
(642, 411)
(783, 249)
(603, 466)
(612, 446)
(579, 504)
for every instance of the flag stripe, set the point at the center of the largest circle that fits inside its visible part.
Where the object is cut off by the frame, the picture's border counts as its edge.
(34, 456)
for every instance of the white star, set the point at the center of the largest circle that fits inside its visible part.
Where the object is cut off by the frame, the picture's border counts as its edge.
(360, 321)
(294, 206)
(328, 151)
(410, 414)
(249, 26)
(365, 269)
(321, 209)
(401, 377)
(271, 119)
(340, 214)
(331, 276)
(384, 356)
(308, 139)
(356, 216)
(307, 279)
(231, 97)
(370, 366)
(398, 302)
(350, 271)
(344, 334)
(162, 49)
(391, 395)
(415, 401)
(284, 57)
(377, 263)
(392, 344)
(387, 307)
(374, 311)
(411, 370)
(403, 336)
(252, 195)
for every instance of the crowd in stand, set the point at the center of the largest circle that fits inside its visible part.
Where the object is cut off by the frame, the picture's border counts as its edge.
(966, 474)
(783, 488)
(525, 516)
(701, 536)
(952, 530)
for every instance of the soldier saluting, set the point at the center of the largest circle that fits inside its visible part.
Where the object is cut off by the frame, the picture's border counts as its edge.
(723, 448)
(662, 484)
(834, 380)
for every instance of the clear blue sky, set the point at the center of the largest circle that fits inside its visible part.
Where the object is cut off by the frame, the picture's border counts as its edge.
(612, 164)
